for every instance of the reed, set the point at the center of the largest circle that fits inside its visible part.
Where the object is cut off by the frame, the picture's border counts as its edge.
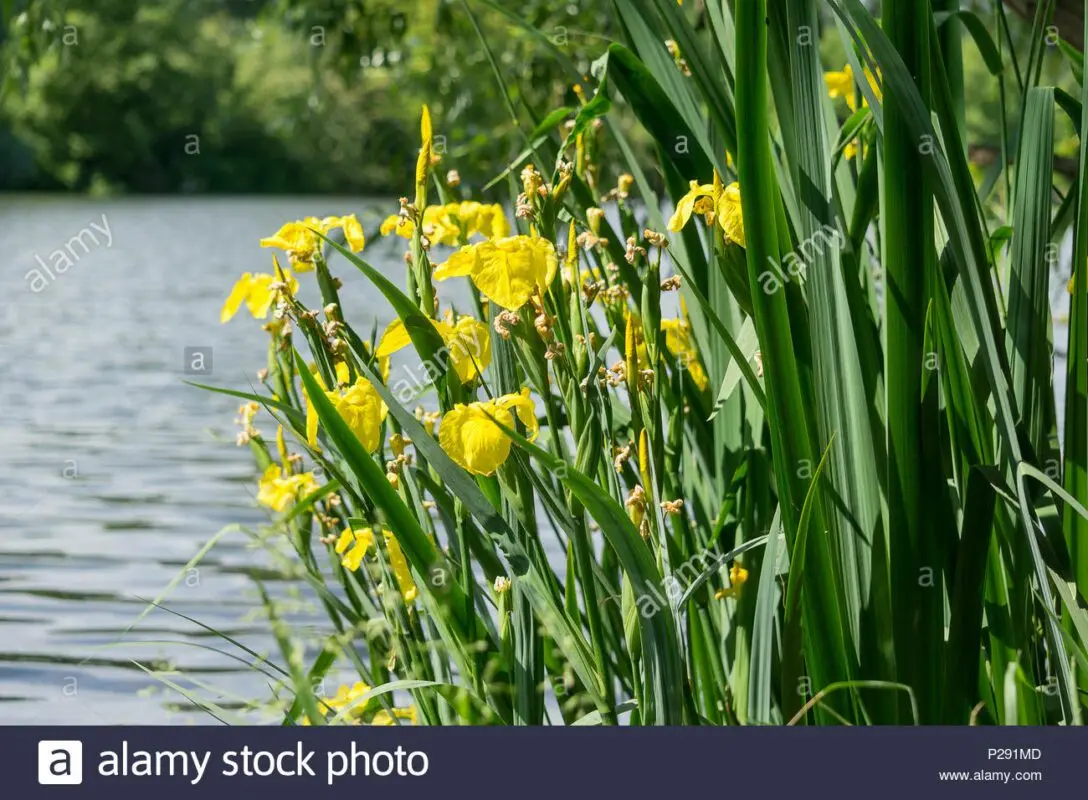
(796, 441)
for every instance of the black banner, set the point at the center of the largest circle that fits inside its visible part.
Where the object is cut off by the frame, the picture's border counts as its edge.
(526, 763)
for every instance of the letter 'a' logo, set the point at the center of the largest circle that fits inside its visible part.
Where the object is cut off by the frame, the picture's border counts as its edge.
(60, 762)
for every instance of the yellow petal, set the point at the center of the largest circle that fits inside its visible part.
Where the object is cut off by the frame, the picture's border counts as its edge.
(874, 83)
(469, 346)
(698, 375)
(441, 224)
(841, 84)
(237, 296)
(545, 251)
(394, 223)
(679, 341)
(383, 717)
(260, 296)
(472, 439)
(302, 264)
(686, 205)
(304, 484)
(676, 336)
(294, 236)
(505, 273)
(363, 410)
(359, 543)
(401, 571)
(523, 405)
(281, 446)
(730, 214)
(509, 270)
(311, 411)
(353, 233)
(311, 423)
(460, 263)
(492, 222)
(500, 226)
(278, 492)
(395, 338)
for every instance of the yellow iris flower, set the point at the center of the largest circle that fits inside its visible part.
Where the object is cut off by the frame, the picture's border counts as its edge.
(353, 545)
(255, 290)
(278, 492)
(401, 226)
(363, 410)
(738, 576)
(681, 344)
(508, 271)
(453, 223)
(348, 697)
(360, 405)
(358, 542)
(841, 84)
(714, 203)
(408, 589)
(348, 700)
(468, 342)
(301, 244)
(470, 437)
(383, 717)
(699, 199)
(467, 219)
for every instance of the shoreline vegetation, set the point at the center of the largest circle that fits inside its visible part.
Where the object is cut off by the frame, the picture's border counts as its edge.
(797, 441)
(790, 503)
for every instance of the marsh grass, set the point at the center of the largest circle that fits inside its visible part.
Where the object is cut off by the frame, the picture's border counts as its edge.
(867, 446)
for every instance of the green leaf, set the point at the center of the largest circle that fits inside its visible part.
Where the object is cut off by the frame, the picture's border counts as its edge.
(661, 658)
(1028, 317)
(654, 108)
(952, 186)
(788, 412)
(983, 41)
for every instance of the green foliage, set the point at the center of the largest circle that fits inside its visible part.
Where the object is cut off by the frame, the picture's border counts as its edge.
(277, 96)
(877, 524)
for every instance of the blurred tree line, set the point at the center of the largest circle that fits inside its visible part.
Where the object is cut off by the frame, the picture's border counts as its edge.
(302, 96)
(323, 96)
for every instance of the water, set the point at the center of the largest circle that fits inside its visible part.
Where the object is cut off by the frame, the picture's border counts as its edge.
(115, 472)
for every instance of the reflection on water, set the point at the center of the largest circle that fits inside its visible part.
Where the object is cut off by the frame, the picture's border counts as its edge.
(115, 472)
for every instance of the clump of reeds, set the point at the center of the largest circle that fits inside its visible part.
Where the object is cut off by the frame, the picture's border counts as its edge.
(798, 442)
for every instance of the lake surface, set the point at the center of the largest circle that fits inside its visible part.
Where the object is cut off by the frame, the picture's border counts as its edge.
(115, 473)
